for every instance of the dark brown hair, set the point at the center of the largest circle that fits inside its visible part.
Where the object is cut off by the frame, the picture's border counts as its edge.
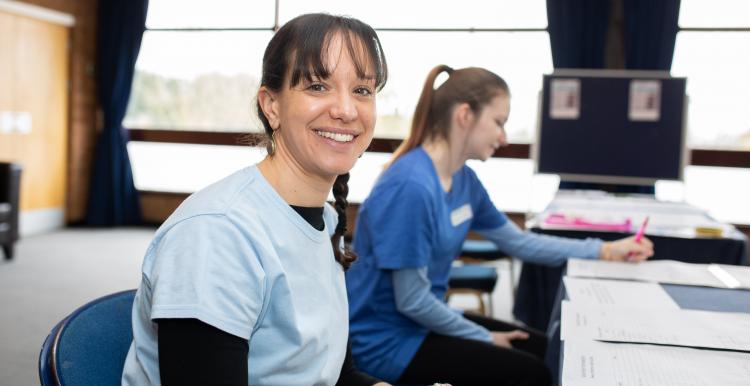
(298, 50)
(473, 85)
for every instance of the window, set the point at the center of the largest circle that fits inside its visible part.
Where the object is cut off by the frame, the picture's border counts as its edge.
(199, 68)
(200, 62)
(711, 51)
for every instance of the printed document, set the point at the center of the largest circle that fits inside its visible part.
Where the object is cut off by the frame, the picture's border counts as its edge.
(690, 328)
(592, 363)
(598, 292)
(664, 271)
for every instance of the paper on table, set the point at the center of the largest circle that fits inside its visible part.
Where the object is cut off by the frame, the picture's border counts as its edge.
(592, 363)
(663, 271)
(690, 328)
(739, 273)
(617, 293)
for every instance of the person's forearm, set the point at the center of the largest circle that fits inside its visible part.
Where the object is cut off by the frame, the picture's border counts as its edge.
(195, 353)
(541, 249)
(414, 299)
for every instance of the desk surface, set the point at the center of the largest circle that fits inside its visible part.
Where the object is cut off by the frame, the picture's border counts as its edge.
(601, 212)
(538, 285)
(687, 297)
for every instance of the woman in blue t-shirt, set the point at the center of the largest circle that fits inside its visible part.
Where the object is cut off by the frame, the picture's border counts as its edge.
(412, 226)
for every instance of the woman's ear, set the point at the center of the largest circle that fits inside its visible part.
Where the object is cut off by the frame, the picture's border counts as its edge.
(463, 116)
(268, 102)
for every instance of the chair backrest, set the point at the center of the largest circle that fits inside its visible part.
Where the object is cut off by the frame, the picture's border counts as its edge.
(10, 192)
(90, 345)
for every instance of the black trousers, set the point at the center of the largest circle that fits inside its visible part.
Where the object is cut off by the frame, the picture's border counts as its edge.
(463, 362)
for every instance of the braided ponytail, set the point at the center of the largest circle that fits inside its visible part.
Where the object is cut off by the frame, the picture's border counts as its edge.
(345, 256)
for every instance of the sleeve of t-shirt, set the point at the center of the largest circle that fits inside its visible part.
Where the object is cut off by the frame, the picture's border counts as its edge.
(205, 268)
(411, 289)
(401, 223)
(486, 214)
(540, 249)
(194, 353)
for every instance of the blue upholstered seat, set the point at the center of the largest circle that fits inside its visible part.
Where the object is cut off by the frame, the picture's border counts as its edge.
(90, 345)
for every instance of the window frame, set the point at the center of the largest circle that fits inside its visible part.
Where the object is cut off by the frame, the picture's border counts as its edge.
(698, 156)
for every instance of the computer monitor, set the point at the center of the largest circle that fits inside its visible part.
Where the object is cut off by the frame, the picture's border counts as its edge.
(612, 127)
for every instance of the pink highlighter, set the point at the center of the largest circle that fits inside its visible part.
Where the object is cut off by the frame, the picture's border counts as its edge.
(639, 234)
(641, 230)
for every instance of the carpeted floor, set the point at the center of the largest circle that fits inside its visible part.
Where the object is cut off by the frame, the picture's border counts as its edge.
(52, 275)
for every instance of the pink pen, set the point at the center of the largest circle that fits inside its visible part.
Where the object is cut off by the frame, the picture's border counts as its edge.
(639, 236)
(641, 230)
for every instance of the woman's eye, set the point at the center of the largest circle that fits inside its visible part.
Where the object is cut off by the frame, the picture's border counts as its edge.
(316, 87)
(363, 91)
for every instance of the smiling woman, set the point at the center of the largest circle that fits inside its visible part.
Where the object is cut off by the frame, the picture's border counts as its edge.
(244, 283)
(317, 107)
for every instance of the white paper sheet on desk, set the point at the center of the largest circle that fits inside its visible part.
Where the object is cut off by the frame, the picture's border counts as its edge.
(592, 363)
(690, 328)
(598, 292)
(739, 273)
(664, 271)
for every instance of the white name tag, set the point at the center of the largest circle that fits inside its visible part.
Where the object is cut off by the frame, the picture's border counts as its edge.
(461, 214)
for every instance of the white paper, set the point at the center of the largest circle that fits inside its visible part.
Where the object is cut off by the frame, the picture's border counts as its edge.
(591, 363)
(645, 100)
(565, 99)
(597, 292)
(663, 271)
(690, 328)
(673, 219)
(739, 273)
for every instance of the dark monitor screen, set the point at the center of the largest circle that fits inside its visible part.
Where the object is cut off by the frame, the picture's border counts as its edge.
(615, 127)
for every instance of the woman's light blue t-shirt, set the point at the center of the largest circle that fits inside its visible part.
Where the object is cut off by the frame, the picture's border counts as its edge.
(236, 256)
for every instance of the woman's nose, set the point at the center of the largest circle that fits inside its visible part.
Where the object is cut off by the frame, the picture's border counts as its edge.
(502, 138)
(344, 107)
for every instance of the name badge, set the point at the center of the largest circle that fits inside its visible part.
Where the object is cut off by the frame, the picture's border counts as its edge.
(461, 214)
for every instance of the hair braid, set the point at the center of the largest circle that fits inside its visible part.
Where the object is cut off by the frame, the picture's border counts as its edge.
(345, 256)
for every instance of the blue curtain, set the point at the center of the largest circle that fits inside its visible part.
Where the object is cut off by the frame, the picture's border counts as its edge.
(578, 36)
(650, 33)
(113, 199)
(578, 32)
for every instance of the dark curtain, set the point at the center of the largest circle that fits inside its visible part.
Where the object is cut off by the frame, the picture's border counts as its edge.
(578, 32)
(113, 199)
(650, 33)
(578, 36)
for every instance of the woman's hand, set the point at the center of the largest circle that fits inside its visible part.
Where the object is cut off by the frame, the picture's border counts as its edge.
(627, 249)
(504, 339)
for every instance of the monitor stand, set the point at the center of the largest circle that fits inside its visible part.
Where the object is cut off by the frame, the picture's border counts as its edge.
(610, 188)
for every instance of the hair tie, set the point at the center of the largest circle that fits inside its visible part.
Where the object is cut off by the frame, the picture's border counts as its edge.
(436, 84)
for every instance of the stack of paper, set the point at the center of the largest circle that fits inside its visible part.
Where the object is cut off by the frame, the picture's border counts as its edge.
(690, 328)
(592, 363)
(630, 331)
(664, 271)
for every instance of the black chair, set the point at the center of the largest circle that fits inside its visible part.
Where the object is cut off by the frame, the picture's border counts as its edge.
(10, 188)
(89, 346)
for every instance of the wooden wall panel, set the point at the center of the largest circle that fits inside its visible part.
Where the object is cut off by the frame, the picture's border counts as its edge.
(37, 58)
(7, 26)
(83, 105)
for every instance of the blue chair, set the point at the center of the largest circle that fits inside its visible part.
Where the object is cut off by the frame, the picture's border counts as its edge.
(473, 280)
(485, 250)
(479, 280)
(90, 345)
